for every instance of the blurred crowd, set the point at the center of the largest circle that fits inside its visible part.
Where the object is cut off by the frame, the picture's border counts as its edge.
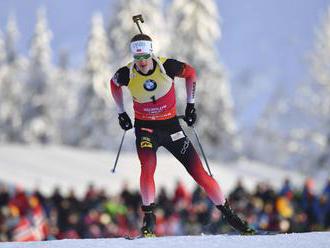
(31, 216)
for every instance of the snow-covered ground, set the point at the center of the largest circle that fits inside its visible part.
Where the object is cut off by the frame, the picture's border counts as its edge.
(47, 167)
(302, 240)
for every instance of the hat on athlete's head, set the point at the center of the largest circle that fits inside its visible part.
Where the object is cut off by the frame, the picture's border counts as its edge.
(141, 44)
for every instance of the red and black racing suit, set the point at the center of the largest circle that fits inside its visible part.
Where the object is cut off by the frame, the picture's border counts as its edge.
(162, 128)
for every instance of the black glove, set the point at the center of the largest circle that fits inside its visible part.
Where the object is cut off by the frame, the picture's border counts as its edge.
(125, 121)
(190, 114)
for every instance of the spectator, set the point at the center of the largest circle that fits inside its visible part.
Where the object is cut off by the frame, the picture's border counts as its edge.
(286, 189)
(96, 215)
(310, 203)
(4, 195)
(239, 192)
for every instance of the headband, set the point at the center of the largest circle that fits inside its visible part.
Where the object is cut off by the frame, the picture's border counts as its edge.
(141, 47)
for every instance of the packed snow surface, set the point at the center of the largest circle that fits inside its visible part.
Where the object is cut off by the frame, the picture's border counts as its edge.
(301, 240)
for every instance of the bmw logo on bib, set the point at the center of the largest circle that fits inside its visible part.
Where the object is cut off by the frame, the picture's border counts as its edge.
(150, 85)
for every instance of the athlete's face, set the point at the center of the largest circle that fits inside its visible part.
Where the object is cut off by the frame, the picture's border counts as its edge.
(144, 62)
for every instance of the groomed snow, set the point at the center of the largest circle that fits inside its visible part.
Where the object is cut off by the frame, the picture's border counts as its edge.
(302, 240)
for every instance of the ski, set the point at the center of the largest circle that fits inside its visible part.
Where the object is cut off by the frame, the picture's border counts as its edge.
(137, 237)
(262, 232)
(134, 237)
(257, 232)
(140, 237)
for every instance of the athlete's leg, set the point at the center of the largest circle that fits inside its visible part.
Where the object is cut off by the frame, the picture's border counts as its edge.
(185, 152)
(146, 149)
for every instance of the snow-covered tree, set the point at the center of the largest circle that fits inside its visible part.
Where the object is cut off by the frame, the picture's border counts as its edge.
(195, 33)
(93, 114)
(216, 113)
(11, 103)
(293, 131)
(40, 50)
(2, 58)
(320, 62)
(62, 100)
(12, 68)
(97, 64)
(122, 28)
(36, 117)
(320, 58)
(3, 69)
(320, 68)
(11, 37)
(2, 50)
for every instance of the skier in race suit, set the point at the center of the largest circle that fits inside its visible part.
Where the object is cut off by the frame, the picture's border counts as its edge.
(150, 80)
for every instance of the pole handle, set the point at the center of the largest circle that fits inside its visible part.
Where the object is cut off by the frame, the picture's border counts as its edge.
(136, 19)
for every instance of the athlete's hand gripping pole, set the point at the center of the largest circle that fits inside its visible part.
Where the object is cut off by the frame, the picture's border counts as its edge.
(183, 117)
(119, 150)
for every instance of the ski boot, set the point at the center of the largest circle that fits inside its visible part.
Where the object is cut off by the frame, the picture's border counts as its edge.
(235, 221)
(149, 221)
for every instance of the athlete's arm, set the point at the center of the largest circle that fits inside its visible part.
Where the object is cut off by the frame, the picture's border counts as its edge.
(189, 74)
(120, 78)
(117, 94)
(175, 68)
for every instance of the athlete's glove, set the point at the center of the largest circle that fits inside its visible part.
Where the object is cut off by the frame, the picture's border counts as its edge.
(124, 121)
(190, 114)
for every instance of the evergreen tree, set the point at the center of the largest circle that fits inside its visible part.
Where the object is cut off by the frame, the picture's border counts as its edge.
(2, 51)
(3, 69)
(36, 116)
(218, 126)
(320, 60)
(12, 69)
(11, 37)
(320, 68)
(293, 131)
(93, 114)
(11, 81)
(320, 65)
(62, 101)
(97, 64)
(196, 31)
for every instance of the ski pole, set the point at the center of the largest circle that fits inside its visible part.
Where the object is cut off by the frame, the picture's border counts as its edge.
(200, 146)
(119, 150)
